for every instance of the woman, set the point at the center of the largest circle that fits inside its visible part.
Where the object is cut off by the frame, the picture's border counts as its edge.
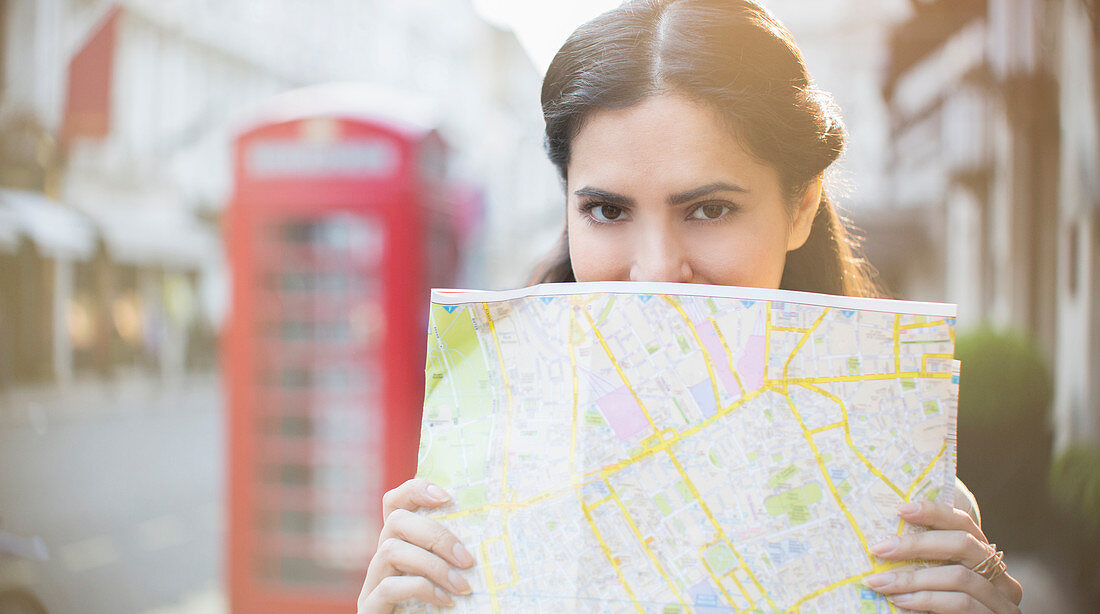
(692, 144)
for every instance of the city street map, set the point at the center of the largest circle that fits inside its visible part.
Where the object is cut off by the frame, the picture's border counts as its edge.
(639, 447)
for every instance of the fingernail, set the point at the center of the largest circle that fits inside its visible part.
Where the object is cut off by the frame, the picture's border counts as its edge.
(461, 586)
(444, 597)
(879, 580)
(437, 493)
(901, 599)
(885, 546)
(909, 508)
(462, 555)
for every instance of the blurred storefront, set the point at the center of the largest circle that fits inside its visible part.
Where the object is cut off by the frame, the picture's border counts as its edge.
(120, 114)
(76, 302)
(994, 171)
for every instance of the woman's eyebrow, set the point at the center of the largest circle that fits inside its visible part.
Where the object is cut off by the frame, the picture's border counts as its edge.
(710, 188)
(610, 197)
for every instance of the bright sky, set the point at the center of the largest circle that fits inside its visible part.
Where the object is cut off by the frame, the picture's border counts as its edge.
(542, 26)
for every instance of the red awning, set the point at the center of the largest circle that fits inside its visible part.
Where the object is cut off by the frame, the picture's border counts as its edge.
(91, 71)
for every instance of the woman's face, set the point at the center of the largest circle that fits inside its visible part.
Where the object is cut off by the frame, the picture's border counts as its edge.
(662, 191)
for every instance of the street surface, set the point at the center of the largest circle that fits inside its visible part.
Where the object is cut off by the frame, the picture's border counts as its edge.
(123, 481)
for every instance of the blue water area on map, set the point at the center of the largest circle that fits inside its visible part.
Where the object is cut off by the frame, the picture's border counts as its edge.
(450, 308)
(748, 303)
(707, 600)
(546, 300)
(954, 379)
(848, 312)
(703, 392)
(645, 298)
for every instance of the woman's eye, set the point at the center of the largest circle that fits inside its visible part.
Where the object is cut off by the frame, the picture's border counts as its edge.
(709, 212)
(606, 213)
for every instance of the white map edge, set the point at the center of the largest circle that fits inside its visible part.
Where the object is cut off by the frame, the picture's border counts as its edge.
(445, 296)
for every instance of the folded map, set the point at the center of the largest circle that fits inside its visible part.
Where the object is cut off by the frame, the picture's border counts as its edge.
(642, 447)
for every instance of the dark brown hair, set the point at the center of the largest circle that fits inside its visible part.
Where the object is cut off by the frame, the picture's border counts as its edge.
(736, 57)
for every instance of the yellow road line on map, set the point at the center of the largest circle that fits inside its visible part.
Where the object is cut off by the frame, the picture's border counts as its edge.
(717, 580)
(489, 574)
(511, 562)
(794, 381)
(920, 478)
(897, 344)
(702, 348)
(721, 534)
(647, 452)
(848, 438)
(846, 581)
(828, 479)
(622, 374)
(827, 427)
(729, 354)
(741, 587)
(789, 329)
(509, 506)
(924, 325)
(508, 391)
(607, 552)
(645, 546)
(803, 340)
(925, 357)
(598, 503)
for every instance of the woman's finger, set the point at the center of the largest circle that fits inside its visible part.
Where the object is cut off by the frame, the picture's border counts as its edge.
(938, 545)
(945, 545)
(395, 589)
(428, 534)
(946, 578)
(936, 515)
(413, 495)
(940, 602)
(398, 557)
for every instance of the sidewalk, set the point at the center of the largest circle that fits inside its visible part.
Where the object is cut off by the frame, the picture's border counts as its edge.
(94, 398)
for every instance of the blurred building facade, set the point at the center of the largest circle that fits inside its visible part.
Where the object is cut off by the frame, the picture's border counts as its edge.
(852, 73)
(994, 170)
(117, 116)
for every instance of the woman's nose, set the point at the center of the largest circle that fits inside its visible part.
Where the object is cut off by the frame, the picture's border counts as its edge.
(660, 258)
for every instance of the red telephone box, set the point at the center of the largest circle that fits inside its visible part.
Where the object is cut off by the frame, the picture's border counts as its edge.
(338, 211)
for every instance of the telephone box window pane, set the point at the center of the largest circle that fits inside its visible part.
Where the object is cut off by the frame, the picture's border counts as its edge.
(292, 427)
(293, 474)
(308, 571)
(295, 378)
(295, 522)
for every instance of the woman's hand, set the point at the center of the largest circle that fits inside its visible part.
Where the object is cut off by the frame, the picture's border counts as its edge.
(955, 539)
(417, 557)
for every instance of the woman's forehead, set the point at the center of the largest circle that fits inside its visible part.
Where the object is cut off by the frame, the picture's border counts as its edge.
(665, 140)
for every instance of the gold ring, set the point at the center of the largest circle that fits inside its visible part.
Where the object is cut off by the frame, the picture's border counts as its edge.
(992, 566)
